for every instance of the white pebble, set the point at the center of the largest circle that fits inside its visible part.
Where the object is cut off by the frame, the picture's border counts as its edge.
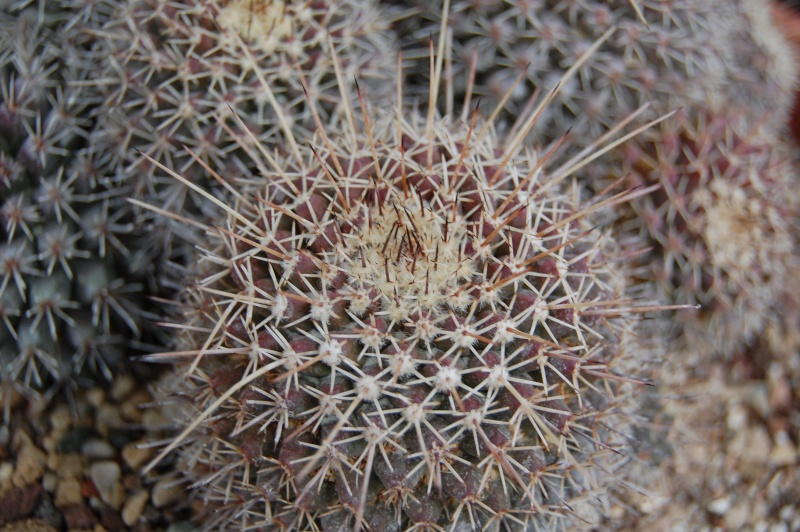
(106, 477)
(98, 450)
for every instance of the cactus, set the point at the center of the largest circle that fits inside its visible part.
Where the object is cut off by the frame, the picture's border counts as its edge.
(70, 272)
(721, 225)
(409, 324)
(729, 73)
(171, 68)
(676, 57)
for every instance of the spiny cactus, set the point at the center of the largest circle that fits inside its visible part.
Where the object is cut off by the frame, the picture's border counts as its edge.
(172, 68)
(681, 53)
(725, 68)
(66, 271)
(408, 324)
(721, 224)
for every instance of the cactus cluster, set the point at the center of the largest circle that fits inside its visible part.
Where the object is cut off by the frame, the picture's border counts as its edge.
(408, 324)
(69, 281)
(407, 318)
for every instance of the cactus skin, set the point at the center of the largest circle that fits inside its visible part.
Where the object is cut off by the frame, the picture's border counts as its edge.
(399, 331)
(70, 271)
(175, 72)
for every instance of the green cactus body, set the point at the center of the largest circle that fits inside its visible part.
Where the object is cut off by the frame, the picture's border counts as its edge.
(68, 280)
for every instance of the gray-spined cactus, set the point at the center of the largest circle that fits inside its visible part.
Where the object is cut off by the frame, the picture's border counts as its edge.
(67, 271)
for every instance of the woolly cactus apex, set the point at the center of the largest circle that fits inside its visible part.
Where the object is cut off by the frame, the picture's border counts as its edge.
(720, 225)
(172, 68)
(411, 325)
(65, 270)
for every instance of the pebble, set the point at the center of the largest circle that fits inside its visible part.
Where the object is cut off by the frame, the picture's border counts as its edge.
(98, 450)
(780, 395)
(70, 466)
(50, 442)
(131, 409)
(166, 491)
(111, 519)
(751, 448)
(106, 477)
(80, 517)
(134, 507)
(759, 400)
(736, 517)
(122, 388)
(60, 419)
(719, 506)
(737, 417)
(784, 452)
(154, 418)
(53, 461)
(31, 463)
(787, 512)
(6, 474)
(12, 397)
(19, 503)
(136, 456)
(49, 481)
(96, 397)
(68, 493)
(106, 418)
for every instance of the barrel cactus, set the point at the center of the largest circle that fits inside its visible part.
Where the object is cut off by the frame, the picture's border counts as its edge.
(411, 325)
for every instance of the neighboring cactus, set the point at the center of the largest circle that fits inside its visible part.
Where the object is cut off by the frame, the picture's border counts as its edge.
(173, 68)
(66, 271)
(686, 51)
(721, 224)
(731, 76)
(411, 325)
